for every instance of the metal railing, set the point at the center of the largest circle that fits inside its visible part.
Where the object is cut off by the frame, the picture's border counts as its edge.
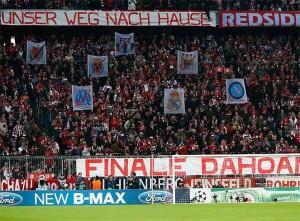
(25, 166)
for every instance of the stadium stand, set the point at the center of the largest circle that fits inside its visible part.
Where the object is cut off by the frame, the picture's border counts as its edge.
(37, 116)
(128, 117)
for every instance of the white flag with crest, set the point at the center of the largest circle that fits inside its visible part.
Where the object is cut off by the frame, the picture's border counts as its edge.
(36, 53)
(97, 66)
(187, 62)
(124, 44)
(82, 98)
(174, 101)
(236, 91)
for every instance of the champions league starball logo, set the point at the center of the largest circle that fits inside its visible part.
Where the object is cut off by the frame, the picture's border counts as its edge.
(174, 102)
(199, 197)
(243, 196)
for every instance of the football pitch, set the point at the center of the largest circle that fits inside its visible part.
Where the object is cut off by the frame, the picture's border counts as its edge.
(178, 212)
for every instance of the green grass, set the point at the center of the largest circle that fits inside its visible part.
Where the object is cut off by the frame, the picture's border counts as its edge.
(178, 212)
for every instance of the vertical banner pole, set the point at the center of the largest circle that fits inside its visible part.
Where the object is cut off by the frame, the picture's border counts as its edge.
(151, 177)
(173, 179)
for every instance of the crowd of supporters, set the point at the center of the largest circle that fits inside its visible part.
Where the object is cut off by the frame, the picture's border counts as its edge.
(285, 5)
(36, 106)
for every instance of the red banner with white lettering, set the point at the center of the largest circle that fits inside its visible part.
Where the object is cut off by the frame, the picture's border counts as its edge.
(203, 182)
(31, 184)
(283, 181)
(107, 18)
(206, 165)
(229, 19)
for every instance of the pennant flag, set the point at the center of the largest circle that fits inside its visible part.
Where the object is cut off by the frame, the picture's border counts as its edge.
(36, 53)
(174, 101)
(97, 66)
(187, 62)
(236, 91)
(82, 97)
(124, 44)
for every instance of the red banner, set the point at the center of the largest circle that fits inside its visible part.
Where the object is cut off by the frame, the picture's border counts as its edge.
(229, 19)
(225, 182)
(107, 18)
(31, 184)
(283, 181)
(17, 184)
(210, 165)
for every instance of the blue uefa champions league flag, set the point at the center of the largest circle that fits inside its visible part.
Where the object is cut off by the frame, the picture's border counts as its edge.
(124, 44)
(97, 66)
(36, 53)
(82, 98)
(236, 91)
(174, 101)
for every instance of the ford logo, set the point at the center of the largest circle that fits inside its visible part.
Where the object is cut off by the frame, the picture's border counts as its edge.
(10, 199)
(156, 197)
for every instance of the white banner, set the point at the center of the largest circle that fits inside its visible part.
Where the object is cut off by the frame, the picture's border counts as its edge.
(187, 62)
(201, 195)
(124, 44)
(174, 101)
(82, 98)
(285, 181)
(236, 91)
(36, 53)
(192, 165)
(97, 66)
(106, 18)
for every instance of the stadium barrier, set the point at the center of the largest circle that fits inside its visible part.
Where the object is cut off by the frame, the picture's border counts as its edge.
(127, 197)
(157, 172)
(191, 168)
(84, 197)
(255, 195)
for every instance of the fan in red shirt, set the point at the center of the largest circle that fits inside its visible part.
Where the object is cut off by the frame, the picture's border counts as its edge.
(49, 155)
(141, 144)
(297, 137)
(183, 149)
(71, 144)
(44, 139)
(284, 122)
(170, 146)
(110, 4)
(64, 135)
(115, 122)
(213, 147)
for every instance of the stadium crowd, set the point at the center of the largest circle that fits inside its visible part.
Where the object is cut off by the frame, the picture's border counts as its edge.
(36, 105)
(284, 5)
